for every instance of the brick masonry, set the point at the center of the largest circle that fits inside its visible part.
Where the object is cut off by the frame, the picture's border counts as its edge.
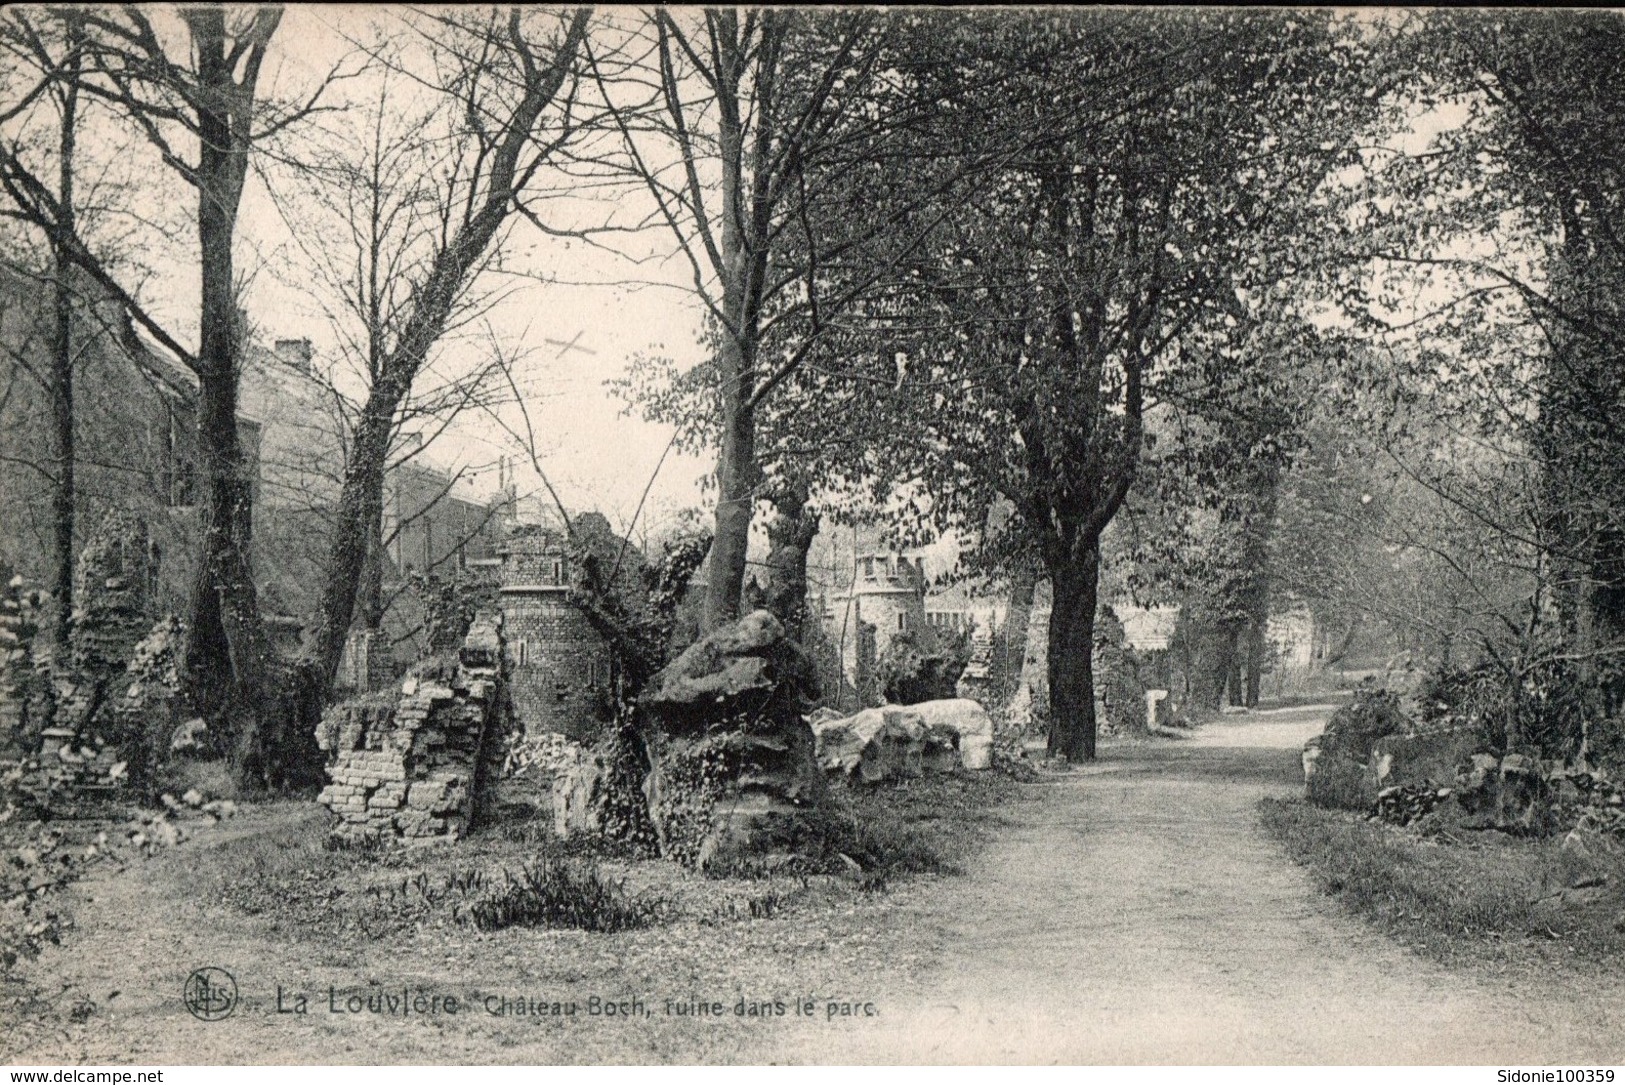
(558, 664)
(506, 728)
(413, 769)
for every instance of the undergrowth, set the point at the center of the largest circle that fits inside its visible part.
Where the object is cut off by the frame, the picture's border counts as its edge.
(558, 893)
(1486, 897)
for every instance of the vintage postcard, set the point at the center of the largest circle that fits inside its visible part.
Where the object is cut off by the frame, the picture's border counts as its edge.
(821, 535)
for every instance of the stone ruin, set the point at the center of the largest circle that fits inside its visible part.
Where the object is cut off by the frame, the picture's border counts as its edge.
(87, 720)
(411, 766)
(733, 763)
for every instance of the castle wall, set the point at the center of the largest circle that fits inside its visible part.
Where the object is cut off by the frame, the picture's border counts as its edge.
(558, 664)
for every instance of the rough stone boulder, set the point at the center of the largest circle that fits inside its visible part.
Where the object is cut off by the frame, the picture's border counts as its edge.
(1514, 793)
(874, 745)
(732, 765)
(1340, 765)
(939, 750)
(1430, 758)
(968, 720)
(894, 742)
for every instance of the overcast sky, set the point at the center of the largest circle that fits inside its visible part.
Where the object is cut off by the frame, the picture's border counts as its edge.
(595, 455)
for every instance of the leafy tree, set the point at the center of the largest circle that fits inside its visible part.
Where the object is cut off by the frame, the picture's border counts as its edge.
(1144, 242)
(1501, 212)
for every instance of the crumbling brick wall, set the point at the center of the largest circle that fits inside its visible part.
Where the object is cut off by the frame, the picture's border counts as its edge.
(560, 664)
(413, 766)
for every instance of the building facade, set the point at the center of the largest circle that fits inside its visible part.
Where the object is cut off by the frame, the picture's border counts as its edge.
(135, 437)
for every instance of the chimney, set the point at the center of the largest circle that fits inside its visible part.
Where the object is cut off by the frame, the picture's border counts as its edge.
(295, 353)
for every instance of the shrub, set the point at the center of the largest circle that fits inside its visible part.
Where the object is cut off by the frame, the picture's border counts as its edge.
(1546, 709)
(1356, 727)
(623, 809)
(911, 673)
(559, 893)
(1117, 678)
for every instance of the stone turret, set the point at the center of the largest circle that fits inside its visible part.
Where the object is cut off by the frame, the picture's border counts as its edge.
(887, 598)
(558, 664)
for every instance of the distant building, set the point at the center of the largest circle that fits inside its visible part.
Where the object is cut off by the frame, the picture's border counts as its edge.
(1296, 637)
(1147, 629)
(135, 432)
(136, 437)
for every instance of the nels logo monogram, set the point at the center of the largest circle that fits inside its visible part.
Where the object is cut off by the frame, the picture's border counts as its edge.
(210, 994)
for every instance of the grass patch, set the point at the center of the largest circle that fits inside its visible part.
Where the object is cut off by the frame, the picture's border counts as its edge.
(1489, 898)
(556, 893)
(293, 878)
(875, 835)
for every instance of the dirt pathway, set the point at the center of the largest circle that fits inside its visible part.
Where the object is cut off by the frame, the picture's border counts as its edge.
(1138, 915)
(1128, 912)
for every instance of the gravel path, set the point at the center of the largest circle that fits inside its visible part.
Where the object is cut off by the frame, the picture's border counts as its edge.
(1138, 915)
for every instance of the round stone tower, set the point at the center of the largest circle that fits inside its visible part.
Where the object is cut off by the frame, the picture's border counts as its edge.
(558, 664)
(887, 598)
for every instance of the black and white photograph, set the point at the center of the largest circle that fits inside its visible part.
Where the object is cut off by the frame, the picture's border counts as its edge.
(826, 535)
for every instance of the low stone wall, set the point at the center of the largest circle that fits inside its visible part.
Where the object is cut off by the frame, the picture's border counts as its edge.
(412, 767)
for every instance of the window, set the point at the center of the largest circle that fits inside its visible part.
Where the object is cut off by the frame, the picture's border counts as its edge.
(902, 620)
(520, 652)
(558, 572)
(178, 476)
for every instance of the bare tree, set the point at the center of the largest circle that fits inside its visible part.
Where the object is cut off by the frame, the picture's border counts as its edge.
(204, 93)
(742, 126)
(516, 97)
(48, 52)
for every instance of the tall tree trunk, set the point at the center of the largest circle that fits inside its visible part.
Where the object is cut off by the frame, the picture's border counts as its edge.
(1075, 586)
(432, 304)
(1213, 664)
(744, 248)
(64, 495)
(1254, 664)
(370, 595)
(790, 535)
(360, 513)
(1010, 666)
(737, 475)
(227, 656)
